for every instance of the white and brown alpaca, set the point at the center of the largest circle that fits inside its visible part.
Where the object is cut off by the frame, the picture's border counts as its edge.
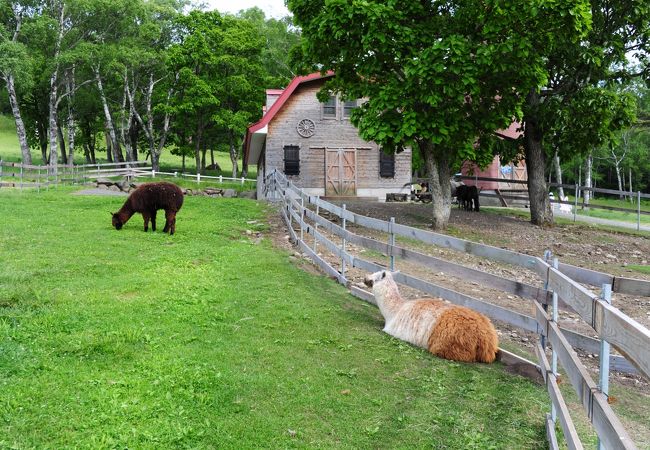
(446, 330)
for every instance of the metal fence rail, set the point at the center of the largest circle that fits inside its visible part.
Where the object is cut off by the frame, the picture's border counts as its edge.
(562, 290)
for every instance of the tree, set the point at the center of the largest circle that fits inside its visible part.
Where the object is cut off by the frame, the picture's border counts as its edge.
(578, 75)
(15, 64)
(440, 76)
(220, 80)
(279, 37)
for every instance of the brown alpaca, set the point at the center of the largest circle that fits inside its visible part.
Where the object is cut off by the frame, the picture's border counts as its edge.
(446, 330)
(147, 199)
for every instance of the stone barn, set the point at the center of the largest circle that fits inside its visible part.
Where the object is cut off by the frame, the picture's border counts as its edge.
(315, 146)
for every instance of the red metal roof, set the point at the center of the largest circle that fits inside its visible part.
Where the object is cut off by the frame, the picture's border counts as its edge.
(273, 110)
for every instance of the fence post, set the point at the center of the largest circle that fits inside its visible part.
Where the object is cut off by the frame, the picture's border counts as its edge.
(38, 183)
(344, 222)
(638, 210)
(556, 265)
(603, 382)
(0, 173)
(288, 203)
(153, 173)
(21, 177)
(198, 176)
(221, 179)
(242, 181)
(316, 223)
(302, 216)
(547, 259)
(391, 243)
(575, 206)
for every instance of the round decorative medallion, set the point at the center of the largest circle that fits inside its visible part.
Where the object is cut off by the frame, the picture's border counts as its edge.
(306, 128)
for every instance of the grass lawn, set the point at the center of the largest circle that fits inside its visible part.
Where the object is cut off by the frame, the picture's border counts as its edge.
(210, 339)
(525, 213)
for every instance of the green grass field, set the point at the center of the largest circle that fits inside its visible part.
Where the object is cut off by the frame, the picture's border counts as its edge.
(602, 200)
(210, 338)
(10, 151)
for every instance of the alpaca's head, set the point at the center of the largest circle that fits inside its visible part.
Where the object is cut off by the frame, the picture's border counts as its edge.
(379, 279)
(117, 222)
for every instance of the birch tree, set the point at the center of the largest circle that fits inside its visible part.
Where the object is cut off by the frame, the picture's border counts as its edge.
(14, 63)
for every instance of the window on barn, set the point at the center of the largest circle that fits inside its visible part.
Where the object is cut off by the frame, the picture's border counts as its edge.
(386, 164)
(329, 108)
(348, 107)
(291, 160)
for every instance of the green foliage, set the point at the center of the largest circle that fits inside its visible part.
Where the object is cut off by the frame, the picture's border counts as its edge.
(210, 339)
(220, 79)
(437, 76)
(280, 36)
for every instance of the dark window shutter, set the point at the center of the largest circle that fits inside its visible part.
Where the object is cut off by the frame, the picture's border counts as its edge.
(386, 165)
(291, 160)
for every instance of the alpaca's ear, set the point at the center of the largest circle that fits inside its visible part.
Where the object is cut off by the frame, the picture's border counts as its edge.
(383, 275)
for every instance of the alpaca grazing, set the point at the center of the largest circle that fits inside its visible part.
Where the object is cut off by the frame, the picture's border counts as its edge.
(446, 330)
(147, 199)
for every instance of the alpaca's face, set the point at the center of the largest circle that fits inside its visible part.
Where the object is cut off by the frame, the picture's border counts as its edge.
(373, 279)
(117, 223)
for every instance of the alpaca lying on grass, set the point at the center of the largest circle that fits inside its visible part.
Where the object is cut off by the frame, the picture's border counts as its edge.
(446, 330)
(147, 199)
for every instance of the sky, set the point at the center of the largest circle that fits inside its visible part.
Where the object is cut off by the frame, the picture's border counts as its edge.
(272, 8)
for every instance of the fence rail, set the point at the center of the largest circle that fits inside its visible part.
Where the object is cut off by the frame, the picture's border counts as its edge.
(31, 176)
(562, 290)
(503, 196)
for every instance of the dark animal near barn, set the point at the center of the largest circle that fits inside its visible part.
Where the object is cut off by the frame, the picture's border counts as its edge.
(467, 197)
(147, 199)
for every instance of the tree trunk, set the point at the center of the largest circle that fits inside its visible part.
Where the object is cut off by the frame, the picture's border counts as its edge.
(212, 157)
(42, 140)
(125, 121)
(540, 207)
(617, 169)
(558, 175)
(54, 80)
(53, 125)
(439, 173)
(64, 156)
(70, 122)
(589, 164)
(115, 146)
(20, 125)
(134, 136)
(197, 153)
(109, 144)
(233, 153)
(93, 144)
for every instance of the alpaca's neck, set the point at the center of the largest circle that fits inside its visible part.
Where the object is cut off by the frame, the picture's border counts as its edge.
(125, 213)
(388, 300)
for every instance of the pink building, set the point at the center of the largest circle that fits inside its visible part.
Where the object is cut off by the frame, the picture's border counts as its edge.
(506, 172)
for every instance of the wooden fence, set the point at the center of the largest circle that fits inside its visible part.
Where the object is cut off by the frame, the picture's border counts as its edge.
(578, 201)
(562, 289)
(17, 175)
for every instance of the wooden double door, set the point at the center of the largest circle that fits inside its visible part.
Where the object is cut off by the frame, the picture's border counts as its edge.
(340, 172)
